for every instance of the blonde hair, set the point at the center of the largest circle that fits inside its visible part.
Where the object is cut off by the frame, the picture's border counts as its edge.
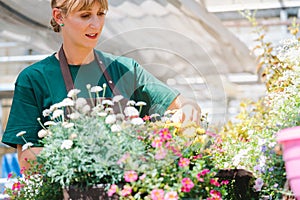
(68, 6)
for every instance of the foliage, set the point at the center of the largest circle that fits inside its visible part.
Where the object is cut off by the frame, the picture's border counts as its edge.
(250, 143)
(29, 186)
(151, 158)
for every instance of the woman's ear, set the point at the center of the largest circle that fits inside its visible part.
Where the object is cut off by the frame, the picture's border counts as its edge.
(57, 15)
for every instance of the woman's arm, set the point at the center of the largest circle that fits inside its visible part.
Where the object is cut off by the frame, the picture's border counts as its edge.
(190, 109)
(28, 154)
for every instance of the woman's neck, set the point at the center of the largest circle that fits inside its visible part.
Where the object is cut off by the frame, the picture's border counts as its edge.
(78, 56)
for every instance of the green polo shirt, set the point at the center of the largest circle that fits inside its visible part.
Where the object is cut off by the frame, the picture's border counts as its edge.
(41, 85)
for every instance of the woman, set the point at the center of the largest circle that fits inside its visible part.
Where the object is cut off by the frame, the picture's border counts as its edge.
(74, 66)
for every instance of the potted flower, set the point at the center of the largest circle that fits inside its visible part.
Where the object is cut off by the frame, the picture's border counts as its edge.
(88, 147)
(290, 140)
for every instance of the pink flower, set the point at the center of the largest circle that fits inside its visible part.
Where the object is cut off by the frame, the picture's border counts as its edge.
(147, 118)
(165, 134)
(183, 162)
(123, 158)
(113, 189)
(161, 154)
(9, 175)
(23, 170)
(126, 191)
(204, 172)
(175, 150)
(157, 142)
(200, 179)
(214, 182)
(185, 189)
(197, 157)
(130, 176)
(226, 182)
(142, 177)
(171, 196)
(157, 194)
(187, 183)
(17, 186)
(215, 194)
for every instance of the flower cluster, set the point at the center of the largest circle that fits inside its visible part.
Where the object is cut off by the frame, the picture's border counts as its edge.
(250, 142)
(86, 142)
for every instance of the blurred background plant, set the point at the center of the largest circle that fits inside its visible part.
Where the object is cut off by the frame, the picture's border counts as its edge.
(250, 142)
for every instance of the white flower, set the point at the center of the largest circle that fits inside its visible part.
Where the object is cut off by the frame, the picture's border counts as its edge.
(154, 115)
(130, 103)
(86, 109)
(67, 144)
(102, 114)
(73, 116)
(46, 112)
(140, 103)
(26, 146)
(49, 123)
(107, 102)
(115, 128)
(80, 103)
(21, 133)
(73, 136)
(131, 112)
(42, 133)
(68, 125)
(57, 113)
(67, 102)
(177, 116)
(73, 93)
(120, 116)
(258, 184)
(88, 86)
(117, 98)
(96, 89)
(110, 119)
(137, 121)
(109, 110)
(54, 107)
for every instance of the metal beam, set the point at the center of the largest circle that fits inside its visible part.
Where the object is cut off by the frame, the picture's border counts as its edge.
(27, 58)
(251, 5)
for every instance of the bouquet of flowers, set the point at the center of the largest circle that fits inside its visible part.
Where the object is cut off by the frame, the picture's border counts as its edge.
(86, 143)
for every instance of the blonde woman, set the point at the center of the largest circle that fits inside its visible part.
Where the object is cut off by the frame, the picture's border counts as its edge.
(75, 65)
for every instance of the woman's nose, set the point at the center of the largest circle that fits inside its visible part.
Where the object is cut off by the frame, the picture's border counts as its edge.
(96, 22)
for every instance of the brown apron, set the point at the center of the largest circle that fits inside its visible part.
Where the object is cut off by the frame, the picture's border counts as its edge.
(70, 84)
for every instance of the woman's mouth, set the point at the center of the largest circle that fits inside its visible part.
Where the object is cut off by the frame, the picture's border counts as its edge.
(92, 35)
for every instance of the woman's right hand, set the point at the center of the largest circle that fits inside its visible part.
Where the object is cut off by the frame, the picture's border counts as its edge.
(28, 154)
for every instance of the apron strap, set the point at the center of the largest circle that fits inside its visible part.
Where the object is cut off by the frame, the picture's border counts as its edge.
(68, 78)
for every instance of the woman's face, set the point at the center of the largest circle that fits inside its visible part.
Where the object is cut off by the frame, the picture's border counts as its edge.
(83, 28)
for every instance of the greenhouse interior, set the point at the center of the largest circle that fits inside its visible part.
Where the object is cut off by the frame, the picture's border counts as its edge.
(238, 60)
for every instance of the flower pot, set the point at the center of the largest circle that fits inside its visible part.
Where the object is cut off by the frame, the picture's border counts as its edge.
(91, 193)
(240, 186)
(289, 138)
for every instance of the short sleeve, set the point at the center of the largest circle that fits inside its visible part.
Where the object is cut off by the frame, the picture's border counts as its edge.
(23, 117)
(150, 89)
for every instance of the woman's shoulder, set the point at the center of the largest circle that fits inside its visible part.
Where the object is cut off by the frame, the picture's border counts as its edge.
(40, 65)
(36, 70)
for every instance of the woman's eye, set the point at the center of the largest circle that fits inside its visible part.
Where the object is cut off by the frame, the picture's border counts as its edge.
(85, 15)
(101, 13)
